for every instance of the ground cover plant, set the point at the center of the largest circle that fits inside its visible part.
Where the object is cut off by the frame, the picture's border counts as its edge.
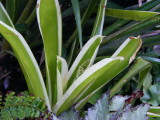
(77, 69)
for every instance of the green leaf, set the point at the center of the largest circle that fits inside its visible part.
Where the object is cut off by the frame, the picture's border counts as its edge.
(85, 17)
(98, 25)
(128, 52)
(76, 10)
(147, 23)
(111, 42)
(27, 61)
(83, 83)
(4, 17)
(88, 53)
(154, 111)
(23, 106)
(140, 66)
(120, 23)
(51, 30)
(11, 8)
(99, 74)
(130, 14)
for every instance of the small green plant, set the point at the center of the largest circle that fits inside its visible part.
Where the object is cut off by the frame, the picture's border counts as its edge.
(66, 86)
(22, 106)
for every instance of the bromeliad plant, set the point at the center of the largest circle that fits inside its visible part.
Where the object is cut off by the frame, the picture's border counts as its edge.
(65, 88)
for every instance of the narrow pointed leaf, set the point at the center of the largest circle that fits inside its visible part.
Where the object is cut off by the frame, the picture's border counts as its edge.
(85, 17)
(4, 17)
(98, 25)
(11, 8)
(50, 24)
(92, 74)
(27, 61)
(77, 15)
(139, 66)
(99, 74)
(86, 56)
(130, 14)
(154, 111)
(119, 23)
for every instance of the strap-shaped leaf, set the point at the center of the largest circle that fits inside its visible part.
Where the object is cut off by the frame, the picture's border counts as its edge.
(63, 69)
(140, 66)
(86, 55)
(84, 82)
(98, 25)
(4, 17)
(85, 17)
(130, 14)
(11, 8)
(99, 74)
(50, 24)
(128, 51)
(76, 9)
(27, 61)
(154, 111)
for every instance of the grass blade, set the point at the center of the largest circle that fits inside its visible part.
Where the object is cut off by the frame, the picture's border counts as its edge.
(51, 30)
(98, 26)
(77, 15)
(108, 43)
(119, 23)
(27, 61)
(85, 17)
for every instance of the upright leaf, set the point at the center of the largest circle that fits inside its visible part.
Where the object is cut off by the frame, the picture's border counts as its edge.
(6, 19)
(50, 24)
(98, 25)
(77, 15)
(85, 17)
(27, 61)
(11, 8)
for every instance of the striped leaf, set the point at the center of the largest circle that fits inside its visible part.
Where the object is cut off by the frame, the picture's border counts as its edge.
(98, 25)
(50, 24)
(27, 61)
(99, 74)
(86, 56)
